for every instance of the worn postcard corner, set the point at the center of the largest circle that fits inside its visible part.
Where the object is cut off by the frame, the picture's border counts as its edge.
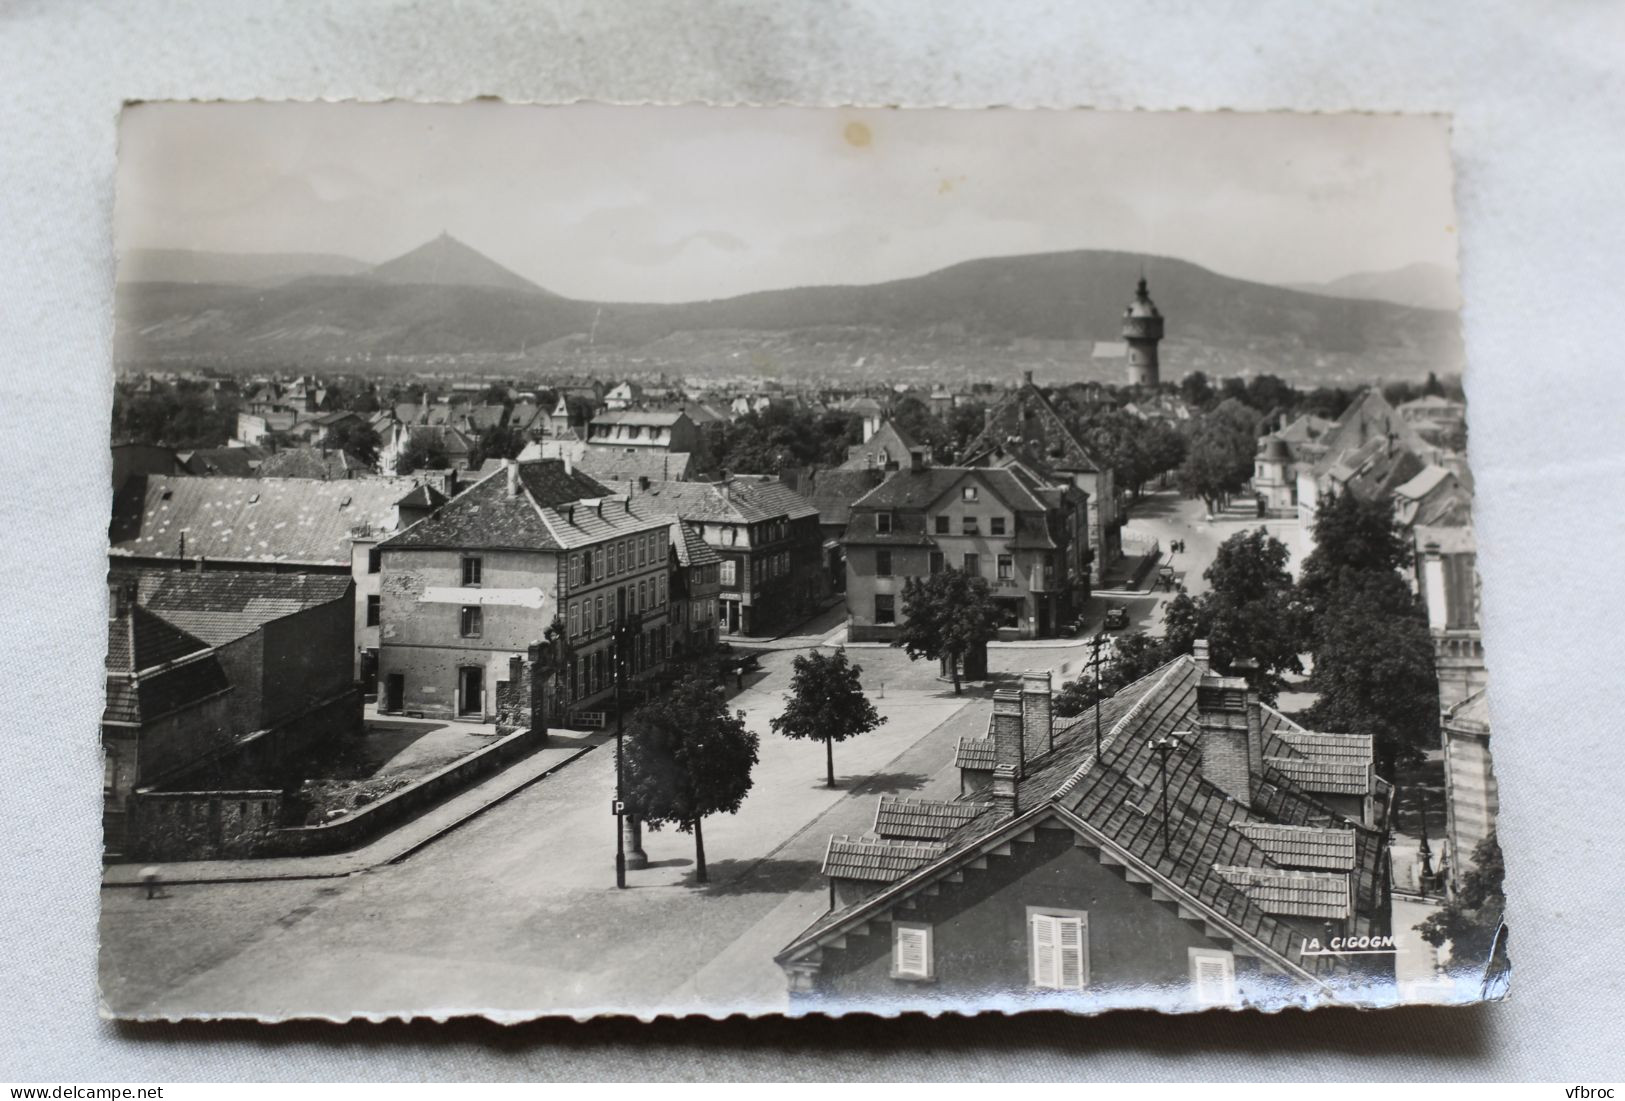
(660, 561)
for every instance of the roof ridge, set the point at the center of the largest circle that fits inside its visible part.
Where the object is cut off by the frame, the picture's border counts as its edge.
(1134, 712)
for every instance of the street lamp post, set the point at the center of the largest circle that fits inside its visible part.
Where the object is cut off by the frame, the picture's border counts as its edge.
(627, 632)
(620, 768)
(1097, 647)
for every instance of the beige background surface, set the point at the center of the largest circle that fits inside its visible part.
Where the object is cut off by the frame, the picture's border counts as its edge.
(1536, 93)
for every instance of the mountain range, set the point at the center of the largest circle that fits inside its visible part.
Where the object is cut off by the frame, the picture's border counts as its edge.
(1431, 286)
(445, 302)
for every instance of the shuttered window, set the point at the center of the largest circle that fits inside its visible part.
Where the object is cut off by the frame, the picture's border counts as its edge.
(1213, 976)
(911, 951)
(1059, 949)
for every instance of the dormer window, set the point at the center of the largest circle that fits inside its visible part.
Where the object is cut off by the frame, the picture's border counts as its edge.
(883, 523)
(968, 493)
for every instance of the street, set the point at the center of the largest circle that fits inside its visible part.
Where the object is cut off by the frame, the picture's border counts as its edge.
(517, 912)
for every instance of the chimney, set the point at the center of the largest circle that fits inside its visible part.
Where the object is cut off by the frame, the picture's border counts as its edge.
(916, 459)
(1037, 716)
(1229, 734)
(513, 477)
(1027, 377)
(1009, 756)
(1200, 654)
(643, 482)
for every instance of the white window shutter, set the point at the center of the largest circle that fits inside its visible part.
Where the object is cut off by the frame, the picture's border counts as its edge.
(1071, 930)
(1213, 974)
(912, 951)
(1045, 934)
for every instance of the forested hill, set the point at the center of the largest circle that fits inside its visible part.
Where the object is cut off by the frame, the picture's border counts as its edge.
(997, 312)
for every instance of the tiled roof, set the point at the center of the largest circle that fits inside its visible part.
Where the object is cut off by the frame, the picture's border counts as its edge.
(737, 501)
(691, 549)
(1323, 776)
(1424, 483)
(1025, 425)
(1310, 847)
(1119, 798)
(288, 520)
(874, 859)
(917, 489)
(639, 416)
(231, 462)
(618, 466)
(141, 640)
(220, 606)
(558, 508)
(155, 668)
(1286, 893)
(321, 464)
(905, 819)
(976, 754)
(833, 491)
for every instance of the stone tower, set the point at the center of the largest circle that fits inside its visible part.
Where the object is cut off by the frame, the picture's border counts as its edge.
(1142, 330)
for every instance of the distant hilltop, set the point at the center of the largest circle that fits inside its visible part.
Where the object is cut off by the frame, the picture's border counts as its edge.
(986, 318)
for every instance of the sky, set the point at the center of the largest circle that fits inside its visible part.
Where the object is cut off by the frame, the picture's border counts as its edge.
(666, 204)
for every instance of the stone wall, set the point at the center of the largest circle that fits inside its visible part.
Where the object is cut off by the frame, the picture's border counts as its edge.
(201, 825)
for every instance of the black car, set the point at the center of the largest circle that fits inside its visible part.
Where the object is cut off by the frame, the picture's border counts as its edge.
(1116, 618)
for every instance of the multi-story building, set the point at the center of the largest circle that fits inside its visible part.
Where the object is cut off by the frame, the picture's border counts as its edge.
(1024, 431)
(696, 589)
(771, 571)
(1447, 579)
(468, 590)
(632, 431)
(1024, 537)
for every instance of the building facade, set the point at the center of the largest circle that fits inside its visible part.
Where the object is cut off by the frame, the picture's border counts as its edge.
(767, 538)
(696, 590)
(468, 590)
(1025, 432)
(1024, 539)
(1194, 853)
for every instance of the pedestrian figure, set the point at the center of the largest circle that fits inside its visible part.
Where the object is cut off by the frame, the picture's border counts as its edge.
(153, 879)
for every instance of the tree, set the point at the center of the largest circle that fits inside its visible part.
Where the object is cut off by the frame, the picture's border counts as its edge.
(947, 616)
(1351, 536)
(422, 452)
(687, 758)
(496, 442)
(355, 438)
(1218, 459)
(782, 434)
(1196, 389)
(1266, 393)
(1374, 670)
(1132, 656)
(1251, 615)
(1471, 920)
(827, 704)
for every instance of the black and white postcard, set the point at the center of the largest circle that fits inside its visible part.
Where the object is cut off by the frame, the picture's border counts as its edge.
(578, 560)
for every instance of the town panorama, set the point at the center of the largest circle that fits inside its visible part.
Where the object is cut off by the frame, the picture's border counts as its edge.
(1046, 629)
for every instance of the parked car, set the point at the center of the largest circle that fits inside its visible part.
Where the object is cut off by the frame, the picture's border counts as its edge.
(1116, 618)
